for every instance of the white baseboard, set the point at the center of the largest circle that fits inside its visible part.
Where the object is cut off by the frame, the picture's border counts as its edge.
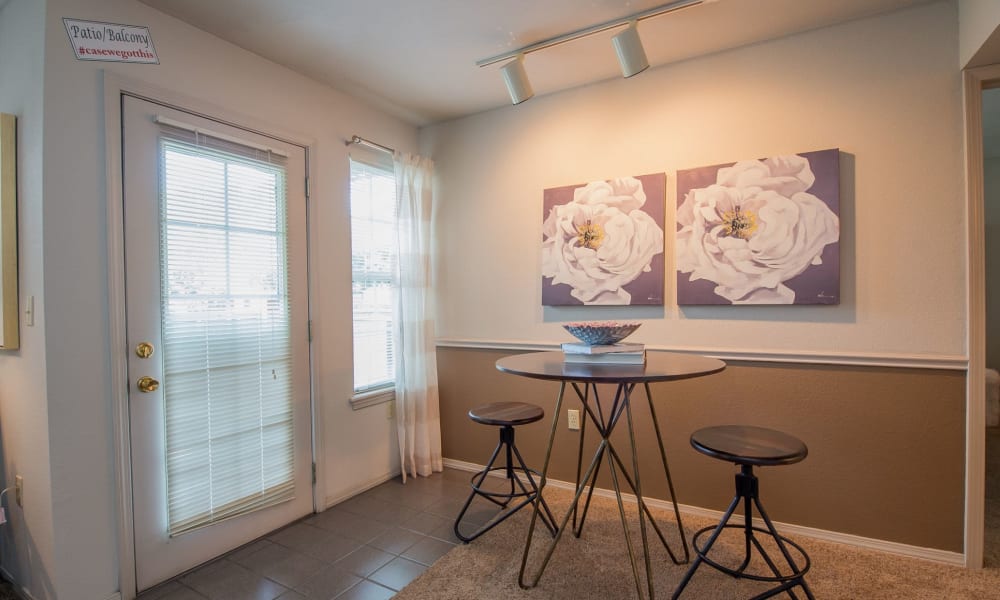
(930, 554)
(332, 500)
(461, 465)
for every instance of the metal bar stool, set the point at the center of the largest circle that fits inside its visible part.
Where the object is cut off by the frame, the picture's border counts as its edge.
(748, 447)
(506, 415)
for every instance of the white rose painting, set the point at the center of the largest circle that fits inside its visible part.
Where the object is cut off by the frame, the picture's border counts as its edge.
(602, 242)
(760, 231)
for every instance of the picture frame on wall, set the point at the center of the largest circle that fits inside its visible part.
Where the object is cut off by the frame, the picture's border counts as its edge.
(602, 242)
(9, 332)
(764, 231)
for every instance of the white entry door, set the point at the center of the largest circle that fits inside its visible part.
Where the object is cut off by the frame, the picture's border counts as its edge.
(217, 329)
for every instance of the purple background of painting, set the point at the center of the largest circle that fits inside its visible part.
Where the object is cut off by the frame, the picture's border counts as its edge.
(819, 284)
(647, 289)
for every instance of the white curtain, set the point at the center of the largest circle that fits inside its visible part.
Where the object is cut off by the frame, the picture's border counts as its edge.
(417, 414)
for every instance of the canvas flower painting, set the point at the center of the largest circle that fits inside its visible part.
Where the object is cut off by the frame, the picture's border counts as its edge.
(602, 242)
(760, 231)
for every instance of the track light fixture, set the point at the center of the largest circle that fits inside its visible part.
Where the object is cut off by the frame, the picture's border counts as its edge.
(516, 79)
(628, 46)
(631, 54)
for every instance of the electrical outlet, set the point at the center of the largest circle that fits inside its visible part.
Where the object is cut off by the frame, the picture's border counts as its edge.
(19, 490)
(573, 419)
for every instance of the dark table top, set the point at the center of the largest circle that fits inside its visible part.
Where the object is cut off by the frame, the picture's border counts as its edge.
(660, 366)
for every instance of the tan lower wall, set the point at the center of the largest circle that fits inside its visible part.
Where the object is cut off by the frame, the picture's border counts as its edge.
(886, 445)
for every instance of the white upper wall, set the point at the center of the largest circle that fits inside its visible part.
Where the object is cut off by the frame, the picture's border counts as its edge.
(242, 87)
(885, 90)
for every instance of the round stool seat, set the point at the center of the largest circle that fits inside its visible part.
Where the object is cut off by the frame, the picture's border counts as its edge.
(506, 413)
(746, 445)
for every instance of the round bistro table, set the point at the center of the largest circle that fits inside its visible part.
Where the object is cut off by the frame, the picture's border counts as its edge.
(583, 380)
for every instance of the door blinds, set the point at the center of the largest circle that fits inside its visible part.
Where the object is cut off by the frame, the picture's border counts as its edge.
(226, 328)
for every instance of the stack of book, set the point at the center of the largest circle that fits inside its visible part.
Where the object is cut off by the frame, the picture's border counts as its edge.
(604, 354)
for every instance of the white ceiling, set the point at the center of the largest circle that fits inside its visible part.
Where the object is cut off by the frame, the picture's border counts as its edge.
(416, 58)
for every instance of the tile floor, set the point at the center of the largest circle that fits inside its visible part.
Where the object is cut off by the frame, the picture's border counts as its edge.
(365, 548)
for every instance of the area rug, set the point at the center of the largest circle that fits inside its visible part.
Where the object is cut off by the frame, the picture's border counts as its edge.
(991, 550)
(7, 591)
(596, 566)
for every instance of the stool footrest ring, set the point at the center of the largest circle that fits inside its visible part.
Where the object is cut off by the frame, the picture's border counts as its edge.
(739, 573)
(492, 495)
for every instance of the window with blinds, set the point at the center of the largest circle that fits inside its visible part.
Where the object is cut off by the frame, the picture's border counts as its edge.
(373, 280)
(226, 329)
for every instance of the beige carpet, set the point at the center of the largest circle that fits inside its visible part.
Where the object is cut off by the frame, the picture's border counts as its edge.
(991, 549)
(7, 591)
(596, 566)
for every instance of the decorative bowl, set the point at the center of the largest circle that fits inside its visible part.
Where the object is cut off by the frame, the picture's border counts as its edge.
(596, 333)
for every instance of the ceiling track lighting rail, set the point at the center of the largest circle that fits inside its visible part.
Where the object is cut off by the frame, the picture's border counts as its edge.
(628, 47)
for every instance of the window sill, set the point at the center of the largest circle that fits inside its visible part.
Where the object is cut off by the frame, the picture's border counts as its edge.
(373, 398)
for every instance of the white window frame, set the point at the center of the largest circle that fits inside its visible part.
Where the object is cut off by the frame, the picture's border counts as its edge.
(371, 396)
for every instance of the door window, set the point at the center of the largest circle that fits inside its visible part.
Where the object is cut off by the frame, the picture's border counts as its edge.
(226, 339)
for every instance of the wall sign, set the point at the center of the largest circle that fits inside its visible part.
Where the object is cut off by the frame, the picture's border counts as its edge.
(94, 40)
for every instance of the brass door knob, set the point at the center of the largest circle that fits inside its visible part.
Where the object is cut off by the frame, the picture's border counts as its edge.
(147, 384)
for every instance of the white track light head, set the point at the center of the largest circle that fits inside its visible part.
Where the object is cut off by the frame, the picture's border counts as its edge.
(516, 79)
(631, 54)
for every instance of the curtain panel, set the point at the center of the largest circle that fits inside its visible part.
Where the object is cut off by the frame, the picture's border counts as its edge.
(417, 412)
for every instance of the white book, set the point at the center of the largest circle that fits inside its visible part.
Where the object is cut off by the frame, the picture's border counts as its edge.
(580, 348)
(608, 358)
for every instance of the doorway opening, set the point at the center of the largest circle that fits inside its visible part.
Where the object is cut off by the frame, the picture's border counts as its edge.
(991, 214)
